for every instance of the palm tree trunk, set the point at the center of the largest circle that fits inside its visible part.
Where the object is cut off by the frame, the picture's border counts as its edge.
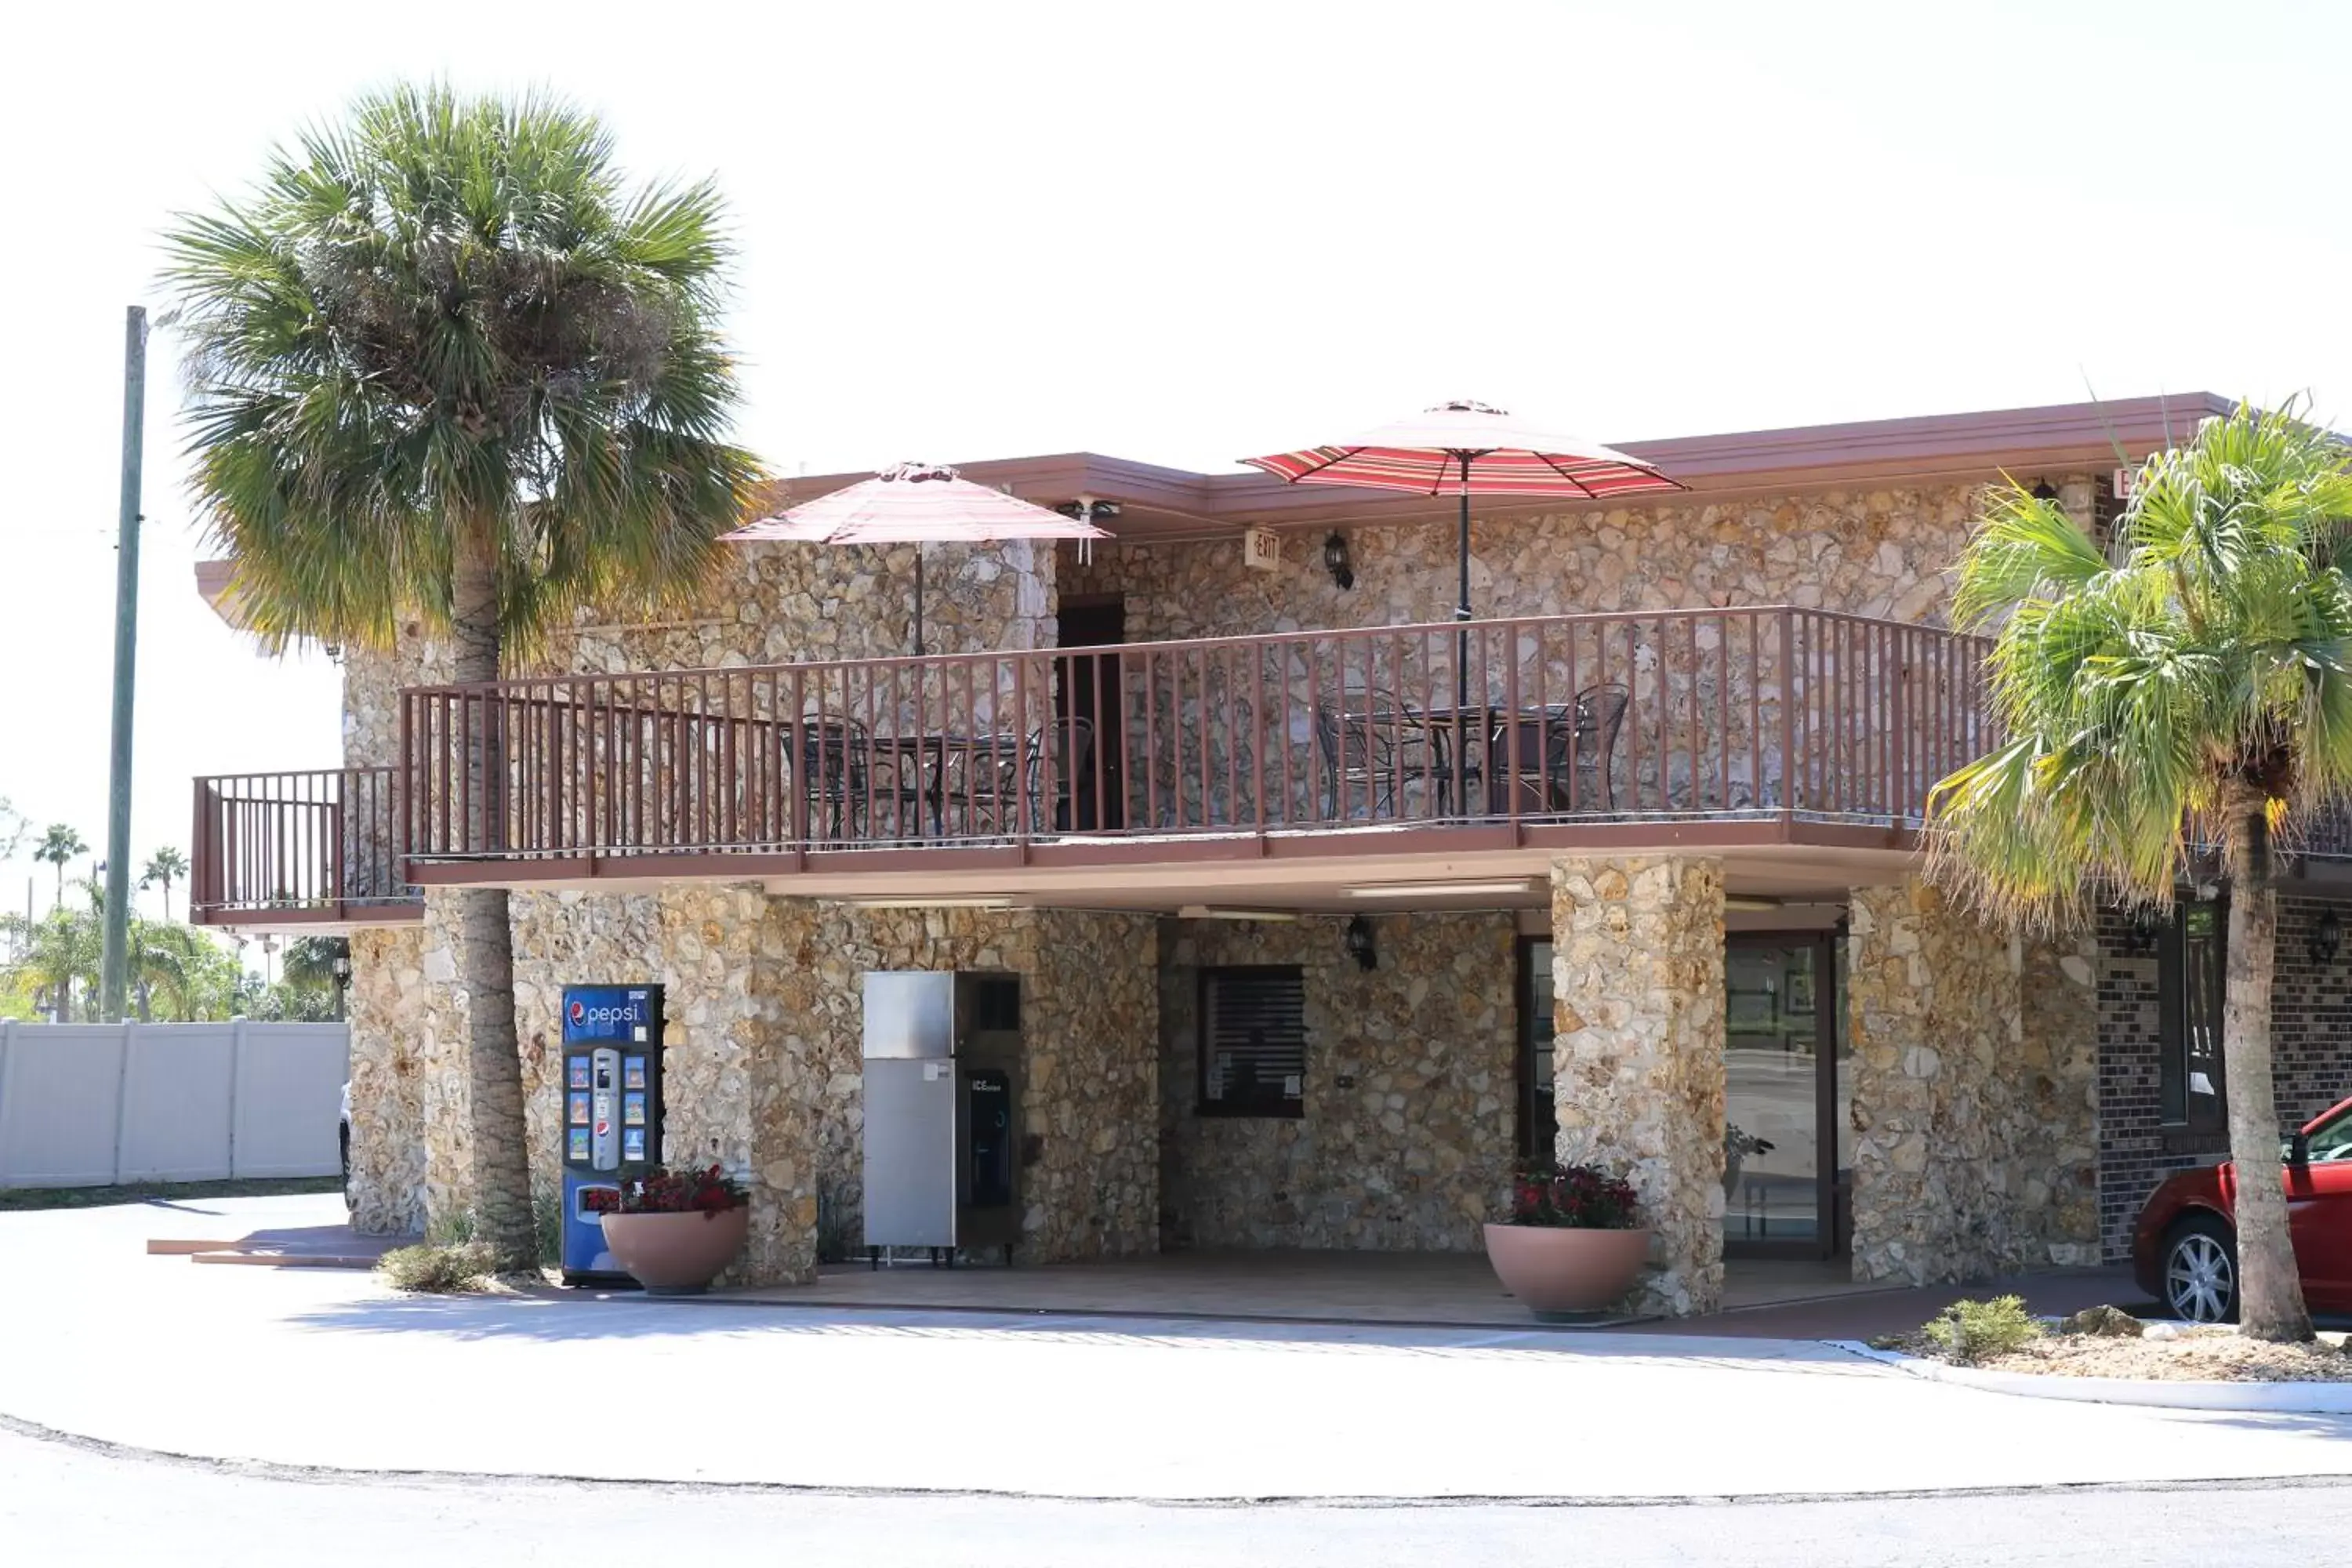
(501, 1173)
(2269, 1291)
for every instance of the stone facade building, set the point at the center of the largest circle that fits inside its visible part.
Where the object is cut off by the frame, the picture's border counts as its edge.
(1326, 912)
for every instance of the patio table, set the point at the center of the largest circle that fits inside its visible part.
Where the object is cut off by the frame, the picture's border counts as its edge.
(931, 751)
(1480, 733)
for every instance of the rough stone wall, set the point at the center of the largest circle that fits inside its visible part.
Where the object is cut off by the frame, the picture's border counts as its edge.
(766, 604)
(1637, 1059)
(1869, 553)
(2311, 1058)
(783, 604)
(388, 1078)
(1089, 1179)
(2050, 1091)
(1409, 1132)
(1975, 1093)
(1704, 730)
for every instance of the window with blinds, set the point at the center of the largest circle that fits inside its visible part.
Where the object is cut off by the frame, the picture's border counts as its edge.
(1253, 1042)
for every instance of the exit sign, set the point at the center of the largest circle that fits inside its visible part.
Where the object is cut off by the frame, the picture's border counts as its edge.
(1261, 548)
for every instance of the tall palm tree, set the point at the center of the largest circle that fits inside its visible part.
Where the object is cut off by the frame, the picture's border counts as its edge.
(2194, 689)
(444, 360)
(165, 867)
(60, 844)
(62, 947)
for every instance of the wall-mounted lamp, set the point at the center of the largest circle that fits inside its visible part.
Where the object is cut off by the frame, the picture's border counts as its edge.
(1358, 943)
(2141, 933)
(2044, 490)
(2326, 939)
(341, 970)
(1336, 562)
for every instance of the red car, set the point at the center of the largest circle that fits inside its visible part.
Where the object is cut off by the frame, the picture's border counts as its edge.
(2184, 1246)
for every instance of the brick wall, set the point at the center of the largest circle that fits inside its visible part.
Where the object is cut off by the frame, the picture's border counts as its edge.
(2310, 1045)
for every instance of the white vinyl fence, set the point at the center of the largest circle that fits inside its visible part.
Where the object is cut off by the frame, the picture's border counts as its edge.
(90, 1105)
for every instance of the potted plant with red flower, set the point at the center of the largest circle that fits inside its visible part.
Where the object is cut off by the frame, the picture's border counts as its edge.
(676, 1231)
(1574, 1242)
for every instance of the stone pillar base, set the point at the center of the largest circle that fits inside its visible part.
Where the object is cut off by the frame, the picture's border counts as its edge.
(1637, 1062)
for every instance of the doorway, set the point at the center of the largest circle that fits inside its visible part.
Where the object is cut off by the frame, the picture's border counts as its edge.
(1788, 1095)
(1090, 691)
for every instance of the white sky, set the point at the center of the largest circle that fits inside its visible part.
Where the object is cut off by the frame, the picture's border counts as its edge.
(1180, 232)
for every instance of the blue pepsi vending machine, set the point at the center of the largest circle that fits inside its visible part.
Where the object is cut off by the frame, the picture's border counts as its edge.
(611, 1113)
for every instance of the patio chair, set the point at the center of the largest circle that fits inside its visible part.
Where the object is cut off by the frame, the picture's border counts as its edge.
(1372, 746)
(847, 774)
(1063, 754)
(983, 781)
(1552, 745)
(831, 771)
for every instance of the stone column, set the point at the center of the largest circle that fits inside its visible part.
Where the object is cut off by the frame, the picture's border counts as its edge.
(730, 1096)
(1975, 1092)
(384, 1006)
(1637, 1063)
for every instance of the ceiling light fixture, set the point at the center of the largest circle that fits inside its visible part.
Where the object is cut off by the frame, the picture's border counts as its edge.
(1441, 889)
(1215, 912)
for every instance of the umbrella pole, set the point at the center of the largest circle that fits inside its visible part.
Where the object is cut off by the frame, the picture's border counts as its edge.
(1462, 604)
(918, 601)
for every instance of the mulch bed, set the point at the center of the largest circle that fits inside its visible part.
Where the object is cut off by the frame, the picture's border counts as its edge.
(2186, 1354)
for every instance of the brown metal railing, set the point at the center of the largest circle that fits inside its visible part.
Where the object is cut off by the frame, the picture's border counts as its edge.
(1730, 713)
(322, 844)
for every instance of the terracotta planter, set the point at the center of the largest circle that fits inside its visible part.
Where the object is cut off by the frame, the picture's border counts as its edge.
(677, 1254)
(1554, 1270)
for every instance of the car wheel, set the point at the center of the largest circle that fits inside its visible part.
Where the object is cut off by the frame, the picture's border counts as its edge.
(2201, 1270)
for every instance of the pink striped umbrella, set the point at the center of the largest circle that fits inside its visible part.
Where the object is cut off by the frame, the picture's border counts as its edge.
(916, 504)
(1469, 449)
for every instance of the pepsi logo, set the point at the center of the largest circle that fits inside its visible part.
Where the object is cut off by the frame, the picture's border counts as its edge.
(579, 1011)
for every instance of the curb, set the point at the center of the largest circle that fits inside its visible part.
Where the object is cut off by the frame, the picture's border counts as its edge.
(2258, 1399)
(338, 1475)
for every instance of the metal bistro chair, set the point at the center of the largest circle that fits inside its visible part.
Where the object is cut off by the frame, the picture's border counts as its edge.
(845, 772)
(986, 780)
(831, 771)
(1551, 745)
(1373, 746)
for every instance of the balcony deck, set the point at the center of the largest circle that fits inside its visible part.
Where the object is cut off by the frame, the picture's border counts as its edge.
(1292, 770)
(299, 851)
(1156, 771)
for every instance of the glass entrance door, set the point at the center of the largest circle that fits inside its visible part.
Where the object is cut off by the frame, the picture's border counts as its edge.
(1788, 1093)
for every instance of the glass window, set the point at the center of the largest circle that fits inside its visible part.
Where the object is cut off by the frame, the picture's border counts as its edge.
(1253, 1042)
(2191, 968)
(2331, 1142)
(1539, 1117)
(1774, 997)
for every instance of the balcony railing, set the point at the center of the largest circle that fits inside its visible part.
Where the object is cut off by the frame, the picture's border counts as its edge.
(317, 846)
(1736, 714)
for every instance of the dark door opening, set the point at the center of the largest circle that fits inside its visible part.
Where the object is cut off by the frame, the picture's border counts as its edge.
(1789, 1095)
(1089, 693)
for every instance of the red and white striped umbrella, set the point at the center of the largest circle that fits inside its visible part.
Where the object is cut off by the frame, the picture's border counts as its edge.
(1468, 448)
(916, 504)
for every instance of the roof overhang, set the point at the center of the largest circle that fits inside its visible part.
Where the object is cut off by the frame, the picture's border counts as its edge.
(1167, 505)
(1161, 504)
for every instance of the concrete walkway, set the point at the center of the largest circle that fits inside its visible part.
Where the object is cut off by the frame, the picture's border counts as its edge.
(315, 1367)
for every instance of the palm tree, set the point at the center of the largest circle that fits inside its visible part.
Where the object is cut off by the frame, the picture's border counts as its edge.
(60, 844)
(2195, 689)
(59, 949)
(445, 362)
(166, 866)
